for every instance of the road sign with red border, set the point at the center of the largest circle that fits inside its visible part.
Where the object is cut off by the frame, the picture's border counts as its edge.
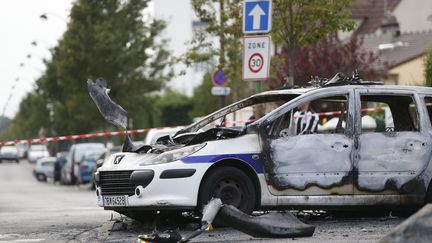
(219, 77)
(256, 57)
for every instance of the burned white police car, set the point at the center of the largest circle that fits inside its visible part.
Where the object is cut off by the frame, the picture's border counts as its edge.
(345, 143)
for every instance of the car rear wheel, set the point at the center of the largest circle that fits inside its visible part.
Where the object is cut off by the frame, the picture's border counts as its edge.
(231, 185)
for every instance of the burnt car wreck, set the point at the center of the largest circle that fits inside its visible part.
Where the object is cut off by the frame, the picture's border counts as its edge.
(343, 143)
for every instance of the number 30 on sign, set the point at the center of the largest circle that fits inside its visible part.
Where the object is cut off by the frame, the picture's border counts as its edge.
(256, 58)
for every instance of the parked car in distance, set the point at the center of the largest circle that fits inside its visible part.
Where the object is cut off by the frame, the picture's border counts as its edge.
(274, 162)
(37, 151)
(44, 168)
(22, 150)
(87, 165)
(154, 134)
(70, 170)
(60, 162)
(9, 153)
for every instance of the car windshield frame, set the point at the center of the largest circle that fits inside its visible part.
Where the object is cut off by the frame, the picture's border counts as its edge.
(286, 95)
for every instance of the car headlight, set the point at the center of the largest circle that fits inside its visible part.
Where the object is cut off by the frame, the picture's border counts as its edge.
(173, 155)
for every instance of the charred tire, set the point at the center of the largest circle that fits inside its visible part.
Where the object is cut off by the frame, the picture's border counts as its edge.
(231, 185)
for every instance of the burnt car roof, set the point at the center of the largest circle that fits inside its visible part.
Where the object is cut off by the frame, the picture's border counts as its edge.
(300, 91)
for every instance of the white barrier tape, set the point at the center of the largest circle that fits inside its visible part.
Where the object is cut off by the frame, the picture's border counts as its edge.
(81, 136)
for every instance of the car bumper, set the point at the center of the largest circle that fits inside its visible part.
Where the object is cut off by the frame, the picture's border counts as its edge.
(86, 178)
(9, 158)
(169, 188)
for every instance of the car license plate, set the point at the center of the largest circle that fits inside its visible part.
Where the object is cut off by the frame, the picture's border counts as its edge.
(114, 201)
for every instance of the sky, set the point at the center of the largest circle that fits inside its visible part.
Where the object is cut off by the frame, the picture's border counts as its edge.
(20, 25)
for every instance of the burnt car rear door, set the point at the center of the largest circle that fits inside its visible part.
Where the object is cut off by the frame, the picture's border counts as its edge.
(317, 162)
(392, 156)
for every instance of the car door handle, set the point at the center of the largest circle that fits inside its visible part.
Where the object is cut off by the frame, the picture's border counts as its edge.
(414, 145)
(339, 146)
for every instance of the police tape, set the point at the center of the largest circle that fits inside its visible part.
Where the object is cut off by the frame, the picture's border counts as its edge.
(82, 136)
(138, 131)
(333, 113)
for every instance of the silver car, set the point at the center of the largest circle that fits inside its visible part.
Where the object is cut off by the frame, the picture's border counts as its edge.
(9, 153)
(44, 168)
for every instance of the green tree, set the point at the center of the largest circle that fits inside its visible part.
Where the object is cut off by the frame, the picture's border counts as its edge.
(174, 108)
(428, 68)
(32, 117)
(110, 39)
(223, 20)
(297, 23)
(203, 102)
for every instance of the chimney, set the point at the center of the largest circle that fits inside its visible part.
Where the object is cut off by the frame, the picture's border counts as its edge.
(390, 28)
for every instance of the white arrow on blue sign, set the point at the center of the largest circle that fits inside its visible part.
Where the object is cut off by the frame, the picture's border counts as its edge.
(220, 91)
(257, 16)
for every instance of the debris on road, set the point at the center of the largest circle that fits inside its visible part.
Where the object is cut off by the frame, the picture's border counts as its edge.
(271, 225)
(390, 216)
(209, 213)
(111, 111)
(417, 228)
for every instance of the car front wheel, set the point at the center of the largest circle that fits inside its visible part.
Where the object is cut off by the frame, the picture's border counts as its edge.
(231, 185)
(40, 177)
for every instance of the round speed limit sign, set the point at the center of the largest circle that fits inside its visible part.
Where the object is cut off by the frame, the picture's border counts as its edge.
(256, 58)
(256, 62)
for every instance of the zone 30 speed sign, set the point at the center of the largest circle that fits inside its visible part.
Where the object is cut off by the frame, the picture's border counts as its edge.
(256, 58)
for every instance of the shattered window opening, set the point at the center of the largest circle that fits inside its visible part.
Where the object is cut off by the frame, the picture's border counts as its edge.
(278, 99)
(244, 116)
(389, 113)
(428, 103)
(321, 116)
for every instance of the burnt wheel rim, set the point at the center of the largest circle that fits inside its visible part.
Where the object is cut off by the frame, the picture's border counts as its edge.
(229, 191)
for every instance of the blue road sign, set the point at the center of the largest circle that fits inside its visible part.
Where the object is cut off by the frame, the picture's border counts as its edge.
(220, 91)
(257, 16)
(219, 77)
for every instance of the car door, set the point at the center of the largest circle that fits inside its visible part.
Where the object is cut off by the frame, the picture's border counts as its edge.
(390, 157)
(317, 162)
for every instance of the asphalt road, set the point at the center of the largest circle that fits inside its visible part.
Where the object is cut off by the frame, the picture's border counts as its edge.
(32, 211)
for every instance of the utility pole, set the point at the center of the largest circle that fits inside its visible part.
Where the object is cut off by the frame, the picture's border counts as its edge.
(222, 41)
